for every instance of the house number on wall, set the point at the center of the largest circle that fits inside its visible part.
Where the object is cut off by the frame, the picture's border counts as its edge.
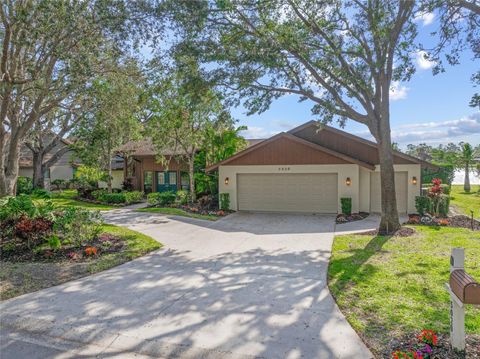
(284, 168)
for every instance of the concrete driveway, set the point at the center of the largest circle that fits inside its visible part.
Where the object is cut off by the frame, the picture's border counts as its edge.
(246, 286)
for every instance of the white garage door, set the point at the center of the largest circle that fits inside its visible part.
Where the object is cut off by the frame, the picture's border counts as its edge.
(288, 192)
(401, 191)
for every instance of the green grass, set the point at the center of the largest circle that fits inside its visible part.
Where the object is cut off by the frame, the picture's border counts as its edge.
(178, 212)
(17, 278)
(392, 286)
(66, 198)
(464, 201)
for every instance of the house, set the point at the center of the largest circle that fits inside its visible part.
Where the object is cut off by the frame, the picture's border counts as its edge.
(309, 169)
(64, 168)
(147, 174)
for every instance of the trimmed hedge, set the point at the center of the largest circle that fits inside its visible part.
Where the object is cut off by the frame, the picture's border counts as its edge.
(346, 205)
(133, 197)
(161, 198)
(112, 198)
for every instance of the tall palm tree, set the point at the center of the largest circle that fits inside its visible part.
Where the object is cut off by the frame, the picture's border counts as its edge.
(466, 160)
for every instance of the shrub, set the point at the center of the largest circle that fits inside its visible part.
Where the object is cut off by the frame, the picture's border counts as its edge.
(98, 193)
(153, 198)
(161, 198)
(24, 185)
(40, 193)
(444, 205)
(23, 205)
(59, 183)
(346, 203)
(127, 185)
(422, 204)
(76, 225)
(113, 198)
(224, 201)
(182, 197)
(445, 172)
(133, 197)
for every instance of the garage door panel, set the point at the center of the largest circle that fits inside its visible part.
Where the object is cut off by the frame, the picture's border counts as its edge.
(401, 191)
(288, 192)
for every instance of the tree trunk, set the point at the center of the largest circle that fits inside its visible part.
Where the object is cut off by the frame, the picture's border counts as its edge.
(466, 184)
(38, 170)
(9, 174)
(389, 222)
(191, 172)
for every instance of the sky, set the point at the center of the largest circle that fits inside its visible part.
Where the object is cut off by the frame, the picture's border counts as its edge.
(427, 109)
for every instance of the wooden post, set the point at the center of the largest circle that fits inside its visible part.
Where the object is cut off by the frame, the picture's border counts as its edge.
(457, 310)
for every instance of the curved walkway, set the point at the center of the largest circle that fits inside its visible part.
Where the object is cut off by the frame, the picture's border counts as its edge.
(246, 286)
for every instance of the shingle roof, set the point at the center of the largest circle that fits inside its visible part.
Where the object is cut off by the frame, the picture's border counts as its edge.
(145, 147)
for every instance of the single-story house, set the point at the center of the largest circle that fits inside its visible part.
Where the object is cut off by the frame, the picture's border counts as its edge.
(64, 168)
(309, 169)
(147, 174)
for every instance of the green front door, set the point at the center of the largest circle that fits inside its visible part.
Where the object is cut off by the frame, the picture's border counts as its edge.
(166, 181)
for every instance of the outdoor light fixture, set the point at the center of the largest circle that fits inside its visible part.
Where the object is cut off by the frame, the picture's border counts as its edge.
(348, 181)
(226, 180)
(414, 180)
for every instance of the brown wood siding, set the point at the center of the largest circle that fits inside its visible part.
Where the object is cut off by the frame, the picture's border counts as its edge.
(148, 163)
(345, 145)
(284, 151)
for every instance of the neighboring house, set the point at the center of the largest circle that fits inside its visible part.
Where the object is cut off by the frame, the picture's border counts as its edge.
(147, 174)
(309, 169)
(117, 174)
(62, 169)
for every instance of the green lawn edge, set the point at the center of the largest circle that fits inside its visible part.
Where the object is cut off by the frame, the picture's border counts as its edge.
(465, 202)
(177, 212)
(393, 286)
(32, 274)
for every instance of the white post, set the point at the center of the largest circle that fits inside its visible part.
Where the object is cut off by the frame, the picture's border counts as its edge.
(457, 311)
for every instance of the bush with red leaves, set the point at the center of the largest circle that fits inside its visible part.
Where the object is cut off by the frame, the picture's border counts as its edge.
(32, 229)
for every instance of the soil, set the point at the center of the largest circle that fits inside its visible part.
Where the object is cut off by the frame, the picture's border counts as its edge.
(442, 350)
(342, 218)
(457, 221)
(104, 244)
(402, 232)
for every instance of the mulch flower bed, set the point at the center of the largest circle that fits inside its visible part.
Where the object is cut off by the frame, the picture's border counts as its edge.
(458, 221)
(344, 218)
(442, 349)
(105, 243)
(402, 232)
(198, 210)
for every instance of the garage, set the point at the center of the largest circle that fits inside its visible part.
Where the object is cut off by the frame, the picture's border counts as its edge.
(288, 192)
(401, 191)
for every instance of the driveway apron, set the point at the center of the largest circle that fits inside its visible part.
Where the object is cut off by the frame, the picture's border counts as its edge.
(251, 285)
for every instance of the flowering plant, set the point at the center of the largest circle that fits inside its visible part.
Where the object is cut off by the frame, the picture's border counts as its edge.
(443, 222)
(428, 337)
(399, 354)
(91, 251)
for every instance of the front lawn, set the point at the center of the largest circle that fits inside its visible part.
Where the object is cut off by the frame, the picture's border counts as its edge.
(66, 198)
(389, 287)
(178, 212)
(20, 277)
(464, 201)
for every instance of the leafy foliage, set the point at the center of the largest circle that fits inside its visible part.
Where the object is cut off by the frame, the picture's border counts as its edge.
(346, 203)
(225, 201)
(161, 198)
(24, 185)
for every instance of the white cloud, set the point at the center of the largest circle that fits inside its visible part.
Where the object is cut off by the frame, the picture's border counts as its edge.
(433, 132)
(398, 91)
(257, 132)
(426, 18)
(445, 131)
(422, 62)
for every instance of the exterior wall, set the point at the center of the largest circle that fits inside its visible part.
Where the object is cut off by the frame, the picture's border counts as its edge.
(343, 171)
(25, 172)
(64, 172)
(117, 180)
(364, 190)
(413, 170)
(359, 190)
(149, 163)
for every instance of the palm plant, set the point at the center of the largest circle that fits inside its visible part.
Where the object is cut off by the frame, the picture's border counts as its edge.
(466, 160)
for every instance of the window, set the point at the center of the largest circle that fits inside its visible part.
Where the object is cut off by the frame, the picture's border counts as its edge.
(185, 181)
(147, 181)
(172, 178)
(160, 178)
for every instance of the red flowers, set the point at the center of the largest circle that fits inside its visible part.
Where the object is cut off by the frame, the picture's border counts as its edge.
(428, 336)
(91, 251)
(398, 354)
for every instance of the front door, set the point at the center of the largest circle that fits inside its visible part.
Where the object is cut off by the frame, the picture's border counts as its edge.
(166, 181)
